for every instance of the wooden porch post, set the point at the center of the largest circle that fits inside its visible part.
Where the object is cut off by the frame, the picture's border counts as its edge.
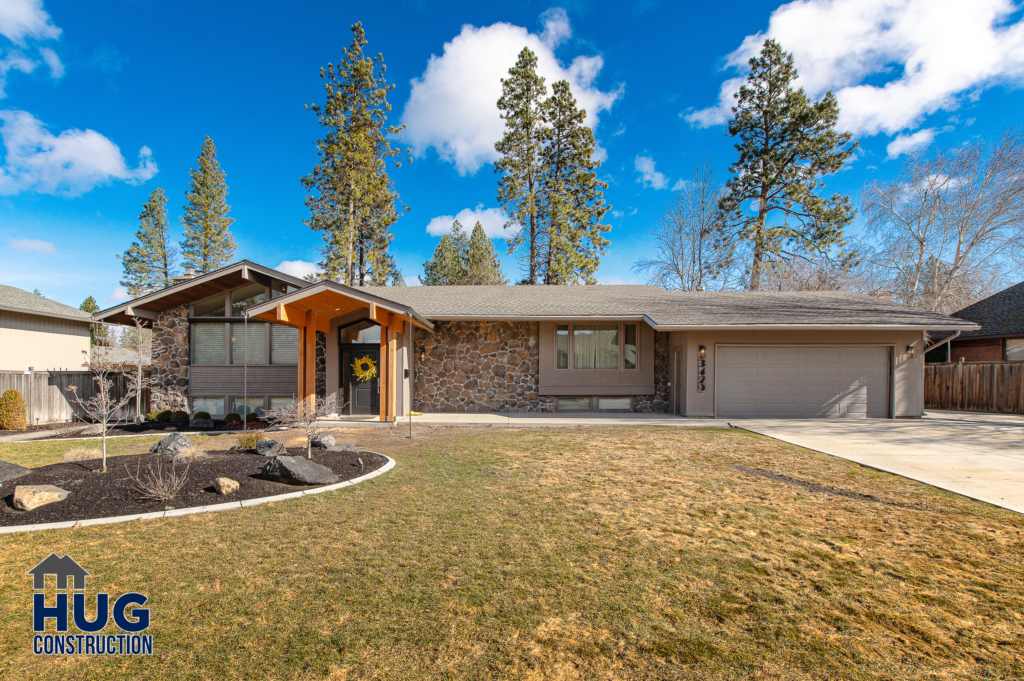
(307, 361)
(392, 364)
(385, 369)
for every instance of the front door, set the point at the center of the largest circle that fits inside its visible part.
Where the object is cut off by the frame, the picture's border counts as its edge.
(361, 395)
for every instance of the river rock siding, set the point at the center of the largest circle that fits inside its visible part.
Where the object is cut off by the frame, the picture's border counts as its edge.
(170, 357)
(659, 401)
(321, 364)
(479, 367)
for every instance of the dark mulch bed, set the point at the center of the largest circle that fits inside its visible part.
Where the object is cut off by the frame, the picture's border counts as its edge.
(102, 495)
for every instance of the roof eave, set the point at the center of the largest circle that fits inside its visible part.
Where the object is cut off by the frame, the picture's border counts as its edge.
(342, 289)
(40, 313)
(810, 327)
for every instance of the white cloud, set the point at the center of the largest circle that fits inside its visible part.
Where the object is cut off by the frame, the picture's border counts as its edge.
(119, 295)
(491, 219)
(53, 61)
(649, 177)
(14, 61)
(20, 19)
(679, 185)
(32, 245)
(904, 143)
(928, 53)
(297, 268)
(71, 163)
(453, 104)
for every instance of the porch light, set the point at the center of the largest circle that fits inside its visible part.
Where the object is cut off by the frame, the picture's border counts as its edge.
(910, 351)
(702, 352)
(423, 355)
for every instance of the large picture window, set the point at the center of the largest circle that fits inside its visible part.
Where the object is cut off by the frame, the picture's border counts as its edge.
(596, 347)
(208, 344)
(284, 344)
(248, 344)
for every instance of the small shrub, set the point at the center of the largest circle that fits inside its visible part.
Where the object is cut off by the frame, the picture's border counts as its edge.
(13, 415)
(179, 417)
(82, 454)
(157, 484)
(202, 415)
(187, 456)
(154, 416)
(164, 416)
(249, 439)
(67, 429)
(232, 418)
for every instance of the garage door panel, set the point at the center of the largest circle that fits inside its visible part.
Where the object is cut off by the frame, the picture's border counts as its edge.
(798, 382)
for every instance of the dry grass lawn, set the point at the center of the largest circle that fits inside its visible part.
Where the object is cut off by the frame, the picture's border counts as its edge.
(559, 554)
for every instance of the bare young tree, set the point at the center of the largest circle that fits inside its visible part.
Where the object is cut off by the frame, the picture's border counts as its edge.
(951, 223)
(305, 415)
(689, 257)
(103, 407)
(143, 342)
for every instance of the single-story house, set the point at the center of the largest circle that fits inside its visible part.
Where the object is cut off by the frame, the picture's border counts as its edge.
(39, 333)
(247, 332)
(1001, 336)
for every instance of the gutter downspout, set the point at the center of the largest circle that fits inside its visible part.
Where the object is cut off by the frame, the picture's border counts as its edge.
(941, 343)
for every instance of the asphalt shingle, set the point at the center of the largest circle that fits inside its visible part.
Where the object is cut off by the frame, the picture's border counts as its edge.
(17, 300)
(1001, 314)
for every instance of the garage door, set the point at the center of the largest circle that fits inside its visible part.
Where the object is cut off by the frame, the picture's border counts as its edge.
(774, 381)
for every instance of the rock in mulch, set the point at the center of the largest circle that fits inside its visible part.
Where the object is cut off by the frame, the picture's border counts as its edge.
(324, 441)
(295, 470)
(172, 444)
(10, 471)
(352, 449)
(225, 486)
(28, 497)
(201, 424)
(270, 448)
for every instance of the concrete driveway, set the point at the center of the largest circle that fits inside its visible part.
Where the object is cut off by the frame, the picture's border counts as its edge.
(978, 455)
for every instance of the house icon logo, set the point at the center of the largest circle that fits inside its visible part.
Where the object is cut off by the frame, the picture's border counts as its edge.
(62, 568)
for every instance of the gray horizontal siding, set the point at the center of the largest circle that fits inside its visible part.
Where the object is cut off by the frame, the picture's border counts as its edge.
(278, 381)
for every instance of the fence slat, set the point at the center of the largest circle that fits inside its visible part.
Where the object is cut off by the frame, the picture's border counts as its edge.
(48, 399)
(975, 386)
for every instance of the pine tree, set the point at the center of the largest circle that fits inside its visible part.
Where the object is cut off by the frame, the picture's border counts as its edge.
(208, 244)
(149, 262)
(447, 267)
(99, 334)
(520, 163)
(350, 196)
(572, 201)
(786, 143)
(482, 264)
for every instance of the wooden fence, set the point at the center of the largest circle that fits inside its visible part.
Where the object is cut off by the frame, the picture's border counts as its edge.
(975, 386)
(48, 399)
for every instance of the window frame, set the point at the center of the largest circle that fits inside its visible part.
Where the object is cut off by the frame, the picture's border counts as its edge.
(622, 345)
(227, 319)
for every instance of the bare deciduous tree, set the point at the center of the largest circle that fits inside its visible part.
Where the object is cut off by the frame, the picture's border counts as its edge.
(104, 405)
(950, 223)
(690, 257)
(300, 414)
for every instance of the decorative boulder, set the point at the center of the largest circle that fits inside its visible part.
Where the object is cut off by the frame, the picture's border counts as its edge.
(201, 424)
(351, 449)
(324, 441)
(28, 497)
(171, 445)
(270, 448)
(225, 486)
(295, 470)
(10, 471)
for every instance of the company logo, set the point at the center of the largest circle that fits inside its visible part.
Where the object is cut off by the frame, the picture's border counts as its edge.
(127, 613)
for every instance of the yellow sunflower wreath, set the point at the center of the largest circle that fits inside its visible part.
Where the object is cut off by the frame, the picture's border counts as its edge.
(364, 368)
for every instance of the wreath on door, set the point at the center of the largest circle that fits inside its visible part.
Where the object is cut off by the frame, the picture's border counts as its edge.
(364, 368)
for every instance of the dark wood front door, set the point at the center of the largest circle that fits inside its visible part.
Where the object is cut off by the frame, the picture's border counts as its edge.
(360, 397)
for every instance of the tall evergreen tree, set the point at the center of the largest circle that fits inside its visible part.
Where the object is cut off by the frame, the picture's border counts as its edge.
(786, 144)
(149, 262)
(572, 200)
(520, 148)
(208, 243)
(482, 264)
(447, 267)
(350, 196)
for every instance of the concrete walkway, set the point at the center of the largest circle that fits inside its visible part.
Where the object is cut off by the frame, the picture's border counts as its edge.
(977, 455)
(547, 420)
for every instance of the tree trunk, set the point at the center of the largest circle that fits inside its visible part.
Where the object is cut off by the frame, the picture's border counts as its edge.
(350, 275)
(533, 234)
(755, 265)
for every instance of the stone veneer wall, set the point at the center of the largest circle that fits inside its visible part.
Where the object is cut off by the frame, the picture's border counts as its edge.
(321, 364)
(479, 367)
(170, 357)
(659, 401)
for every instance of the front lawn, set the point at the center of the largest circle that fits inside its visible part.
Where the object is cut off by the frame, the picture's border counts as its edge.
(561, 554)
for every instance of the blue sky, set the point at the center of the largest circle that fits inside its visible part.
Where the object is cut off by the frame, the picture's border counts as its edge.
(104, 102)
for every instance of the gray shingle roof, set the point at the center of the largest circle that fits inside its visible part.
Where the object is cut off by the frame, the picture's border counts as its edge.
(16, 300)
(1000, 314)
(664, 308)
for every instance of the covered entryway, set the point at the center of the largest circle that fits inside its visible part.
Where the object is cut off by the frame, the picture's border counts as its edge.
(786, 381)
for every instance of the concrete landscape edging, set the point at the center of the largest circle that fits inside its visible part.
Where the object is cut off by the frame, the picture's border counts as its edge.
(231, 505)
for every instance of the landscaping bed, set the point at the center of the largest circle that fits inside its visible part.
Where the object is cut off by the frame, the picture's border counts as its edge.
(100, 495)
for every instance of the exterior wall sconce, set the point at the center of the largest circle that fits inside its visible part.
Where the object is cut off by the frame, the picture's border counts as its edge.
(702, 352)
(423, 355)
(910, 351)
(701, 363)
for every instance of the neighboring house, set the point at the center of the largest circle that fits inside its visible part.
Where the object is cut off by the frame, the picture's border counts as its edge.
(40, 334)
(124, 356)
(533, 348)
(1001, 336)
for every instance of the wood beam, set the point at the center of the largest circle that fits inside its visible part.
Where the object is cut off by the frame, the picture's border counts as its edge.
(392, 364)
(139, 312)
(301, 383)
(323, 325)
(309, 338)
(382, 379)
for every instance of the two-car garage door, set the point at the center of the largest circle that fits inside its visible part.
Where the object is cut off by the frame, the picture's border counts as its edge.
(777, 381)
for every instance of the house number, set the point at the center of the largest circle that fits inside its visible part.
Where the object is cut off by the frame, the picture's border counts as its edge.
(701, 363)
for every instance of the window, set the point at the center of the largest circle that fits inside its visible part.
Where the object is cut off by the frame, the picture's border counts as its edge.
(629, 346)
(361, 332)
(284, 345)
(208, 344)
(253, 405)
(562, 346)
(573, 404)
(211, 307)
(615, 403)
(282, 402)
(247, 296)
(279, 288)
(595, 346)
(1015, 349)
(214, 406)
(247, 344)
